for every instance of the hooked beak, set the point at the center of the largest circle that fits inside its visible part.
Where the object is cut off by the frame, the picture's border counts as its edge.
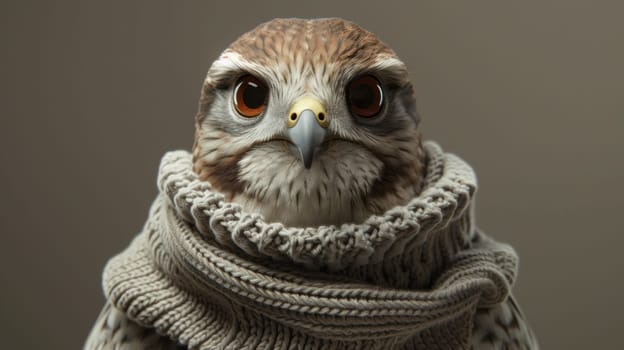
(307, 126)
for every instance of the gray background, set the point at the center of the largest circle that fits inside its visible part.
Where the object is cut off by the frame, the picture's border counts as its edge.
(93, 93)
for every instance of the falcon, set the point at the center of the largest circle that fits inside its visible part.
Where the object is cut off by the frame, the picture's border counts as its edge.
(311, 123)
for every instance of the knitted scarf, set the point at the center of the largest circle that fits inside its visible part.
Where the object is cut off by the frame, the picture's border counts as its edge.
(211, 276)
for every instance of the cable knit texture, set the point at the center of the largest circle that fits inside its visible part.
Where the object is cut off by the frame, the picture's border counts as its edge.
(210, 276)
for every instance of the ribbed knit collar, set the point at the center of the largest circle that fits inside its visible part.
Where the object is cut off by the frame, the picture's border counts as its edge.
(418, 238)
(415, 269)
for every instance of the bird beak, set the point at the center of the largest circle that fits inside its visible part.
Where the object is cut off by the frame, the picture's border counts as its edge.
(307, 126)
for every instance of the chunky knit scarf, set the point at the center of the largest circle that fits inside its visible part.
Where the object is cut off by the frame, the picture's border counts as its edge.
(211, 276)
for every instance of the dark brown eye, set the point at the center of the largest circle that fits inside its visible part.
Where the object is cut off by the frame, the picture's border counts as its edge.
(365, 96)
(250, 96)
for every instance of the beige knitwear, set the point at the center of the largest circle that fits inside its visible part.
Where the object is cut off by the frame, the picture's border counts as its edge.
(207, 275)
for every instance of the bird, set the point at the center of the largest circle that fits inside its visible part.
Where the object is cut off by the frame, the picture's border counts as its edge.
(311, 122)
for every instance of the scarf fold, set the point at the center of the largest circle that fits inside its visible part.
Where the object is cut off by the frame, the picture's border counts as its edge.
(209, 275)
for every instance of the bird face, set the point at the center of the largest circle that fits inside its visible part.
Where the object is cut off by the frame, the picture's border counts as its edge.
(309, 122)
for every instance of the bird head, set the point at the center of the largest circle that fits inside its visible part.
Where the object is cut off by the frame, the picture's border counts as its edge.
(309, 122)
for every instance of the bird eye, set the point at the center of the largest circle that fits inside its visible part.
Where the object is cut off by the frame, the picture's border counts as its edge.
(365, 96)
(250, 96)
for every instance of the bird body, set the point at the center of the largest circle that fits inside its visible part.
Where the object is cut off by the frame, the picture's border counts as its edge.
(308, 152)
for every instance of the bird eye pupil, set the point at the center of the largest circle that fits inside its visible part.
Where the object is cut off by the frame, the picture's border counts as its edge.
(362, 96)
(365, 96)
(254, 95)
(250, 96)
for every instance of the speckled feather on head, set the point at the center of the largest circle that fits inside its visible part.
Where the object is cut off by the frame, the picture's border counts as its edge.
(367, 241)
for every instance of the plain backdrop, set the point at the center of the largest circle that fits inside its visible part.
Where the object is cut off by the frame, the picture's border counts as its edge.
(93, 93)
